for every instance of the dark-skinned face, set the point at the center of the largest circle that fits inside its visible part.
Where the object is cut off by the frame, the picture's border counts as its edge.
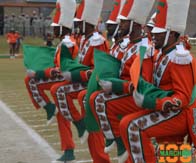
(158, 39)
(111, 29)
(148, 29)
(136, 31)
(56, 31)
(89, 28)
(78, 27)
(124, 27)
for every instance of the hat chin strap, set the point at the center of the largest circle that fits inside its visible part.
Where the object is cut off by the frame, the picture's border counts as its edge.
(61, 30)
(131, 27)
(73, 29)
(83, 27)
(166, 38)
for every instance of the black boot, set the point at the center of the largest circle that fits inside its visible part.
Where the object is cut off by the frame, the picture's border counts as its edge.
(51, 112)
(121, 150)
(81, 128)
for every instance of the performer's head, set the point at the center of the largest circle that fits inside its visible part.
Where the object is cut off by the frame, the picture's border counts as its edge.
(147, 28)
(159, 39)
(60, 31)
(112, 24)
(78, 27)
(169, 23)
(111, 28)
(78, 22)
(133, 16)
(63, 19)
(136, 31)
(124, 27)
(91, 15)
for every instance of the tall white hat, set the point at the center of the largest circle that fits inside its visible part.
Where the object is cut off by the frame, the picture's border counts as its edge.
(140, 11)
(152, 20)
(92, 11)
(171, 15)
(57, 14)
(117, 8)
(80, 11)
(127, 5)
(68, 9)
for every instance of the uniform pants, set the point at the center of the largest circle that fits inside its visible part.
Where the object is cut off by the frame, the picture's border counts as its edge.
(109, 109)
(64, 94)
(96, 143)
(36, 89)
(138, 128)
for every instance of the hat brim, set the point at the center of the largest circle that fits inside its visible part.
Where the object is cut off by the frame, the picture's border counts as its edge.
(54, 25)
(111, 22)
(77, 20)
(122, 17)
(158, 30)
(150, 24)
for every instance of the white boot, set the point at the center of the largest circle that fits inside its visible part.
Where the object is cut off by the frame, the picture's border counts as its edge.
(84, 137)
(122, 158)
(110, 147)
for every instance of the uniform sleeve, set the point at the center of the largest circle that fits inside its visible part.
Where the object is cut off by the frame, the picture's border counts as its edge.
(74, 51)
(103, 47)
(181, 77)
(120, 86)
(80, 75)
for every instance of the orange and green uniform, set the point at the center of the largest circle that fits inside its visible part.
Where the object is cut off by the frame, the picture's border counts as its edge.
(172, 72)
(120, 102)
(65, 92)
(43, 81)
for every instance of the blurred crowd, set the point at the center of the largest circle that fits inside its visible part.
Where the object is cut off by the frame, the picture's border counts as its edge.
(34, 25)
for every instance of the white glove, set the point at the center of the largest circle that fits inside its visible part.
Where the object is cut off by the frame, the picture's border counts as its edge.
(106, 85)
(30, 73)
(66, 75)
(138, 98)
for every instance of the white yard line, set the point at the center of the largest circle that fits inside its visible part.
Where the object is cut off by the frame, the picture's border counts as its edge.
(37, 138)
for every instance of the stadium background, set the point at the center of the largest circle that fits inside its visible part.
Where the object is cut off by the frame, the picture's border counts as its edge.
(12, 89)
(46, 6)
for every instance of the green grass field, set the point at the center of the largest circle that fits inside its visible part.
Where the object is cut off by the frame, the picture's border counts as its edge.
(14, 94)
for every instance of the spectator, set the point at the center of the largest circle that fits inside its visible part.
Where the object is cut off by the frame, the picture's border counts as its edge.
(6, 24)
(1, 24)
(27, 25)
(32, 27)
(18, 42)
(11, 39)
